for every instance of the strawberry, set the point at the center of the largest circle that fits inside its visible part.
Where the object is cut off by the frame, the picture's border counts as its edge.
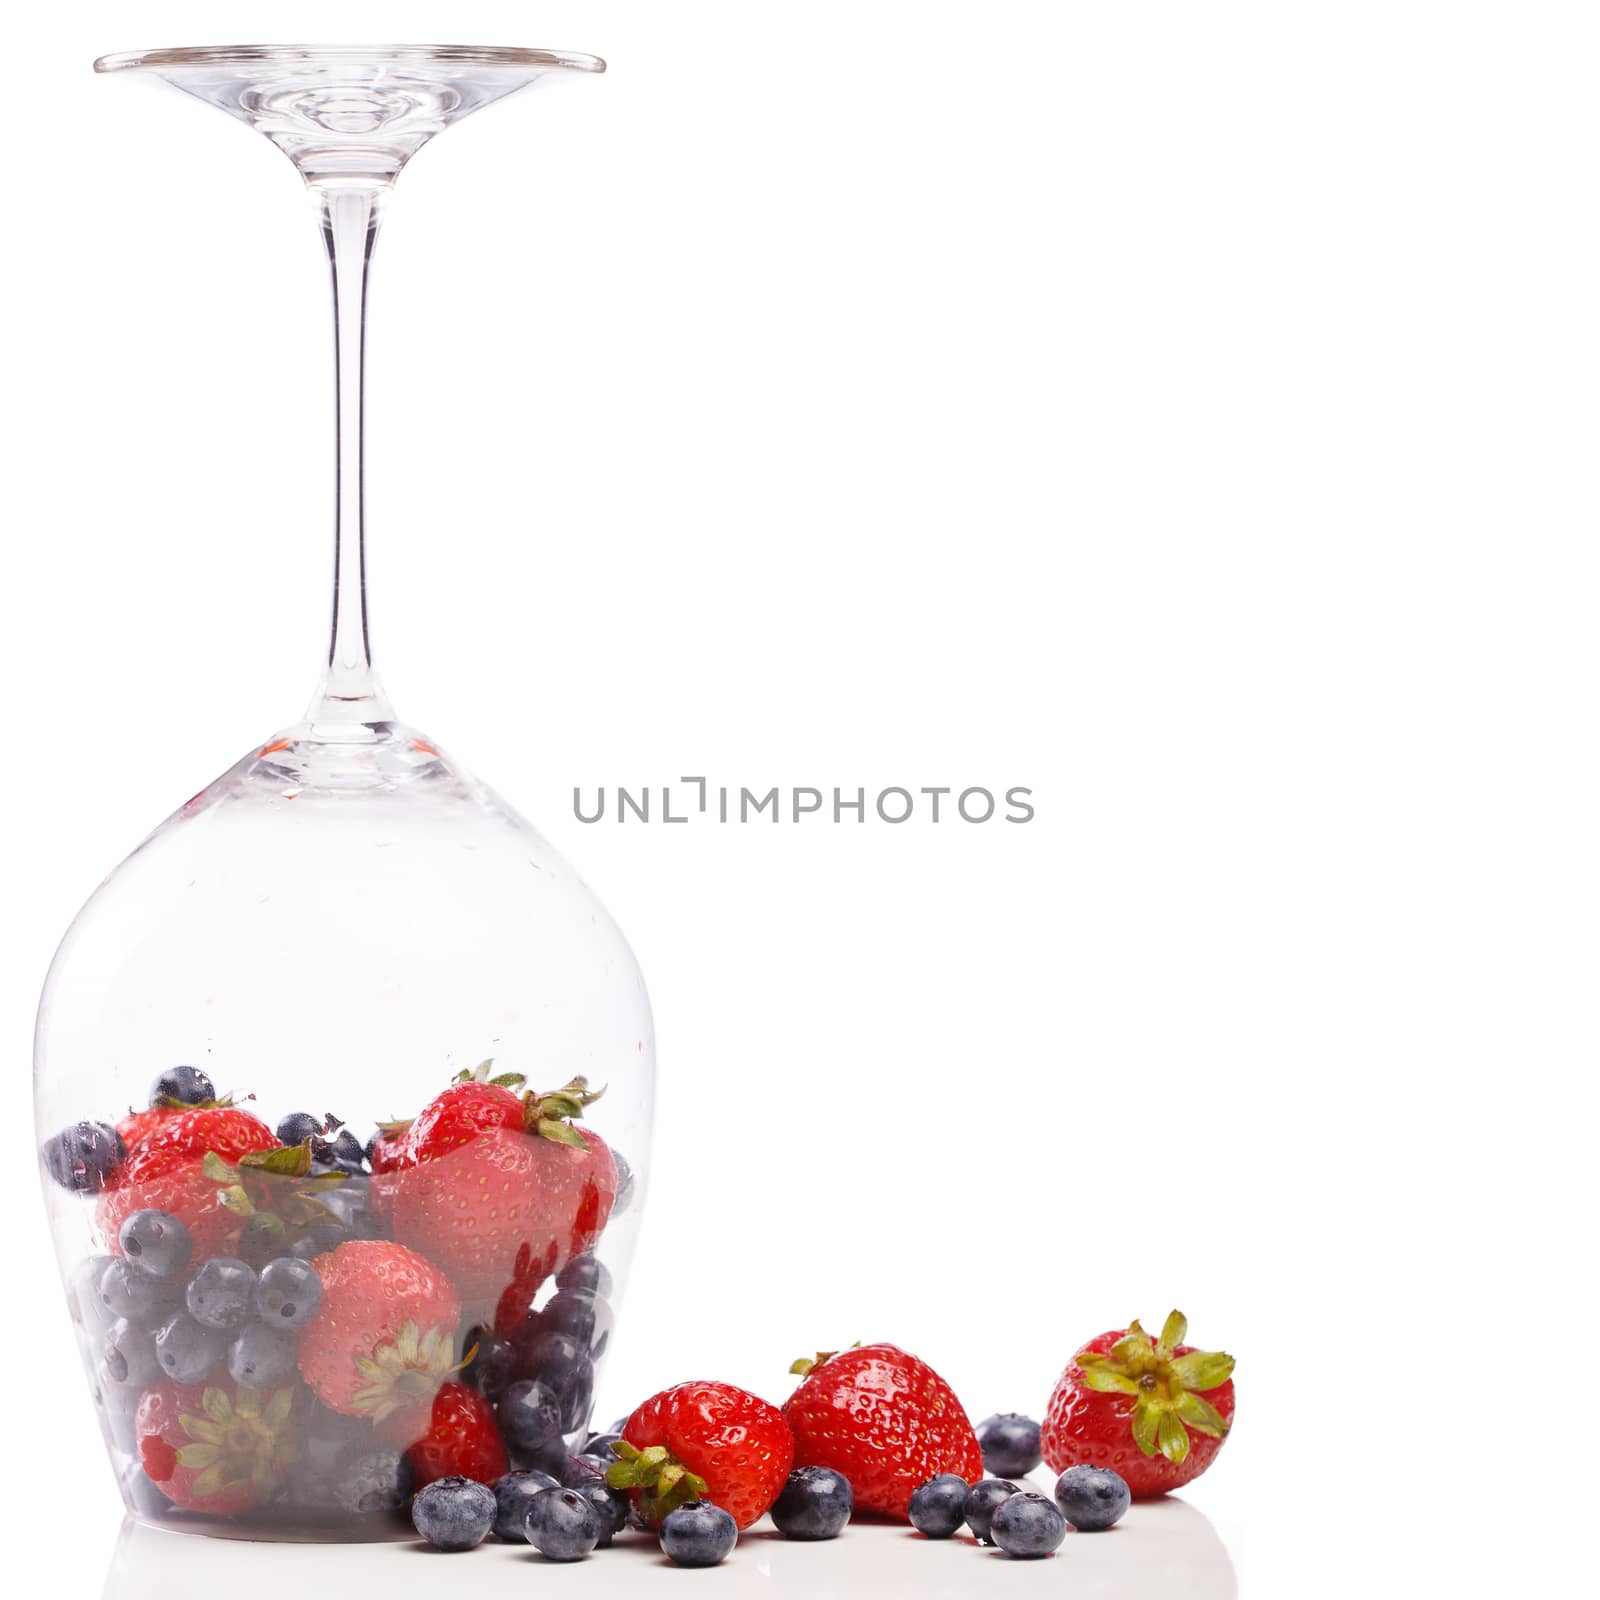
(502, 1189)
(884, 1419)
(704, 1441)
(1156, 1413)
(461, 1439)
(137, 1126)
(165, 1172)
(383, 1339)
(215, 1449)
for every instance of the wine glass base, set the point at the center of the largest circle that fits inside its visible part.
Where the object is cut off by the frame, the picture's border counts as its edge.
(350, 114)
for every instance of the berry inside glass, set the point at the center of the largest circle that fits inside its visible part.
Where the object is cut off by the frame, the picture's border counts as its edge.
(344, 1079)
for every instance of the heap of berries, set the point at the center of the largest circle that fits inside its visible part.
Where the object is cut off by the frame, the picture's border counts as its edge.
(293, 1327)
(290, 1326)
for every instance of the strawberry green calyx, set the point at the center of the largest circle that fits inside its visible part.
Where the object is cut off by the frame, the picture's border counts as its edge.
(1167, 1388)
(484, 1073)
(663, 1481)
(550, 1116)
(407, 1372)
(806, 1365)
(272, 1191)
(246, 1439)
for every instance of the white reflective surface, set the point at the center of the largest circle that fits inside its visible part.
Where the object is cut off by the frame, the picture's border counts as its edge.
(1164, 1549)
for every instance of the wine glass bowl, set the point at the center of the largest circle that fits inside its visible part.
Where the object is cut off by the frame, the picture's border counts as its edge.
(343, 1011)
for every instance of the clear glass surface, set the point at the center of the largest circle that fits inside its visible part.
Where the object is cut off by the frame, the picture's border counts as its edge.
(341, 926)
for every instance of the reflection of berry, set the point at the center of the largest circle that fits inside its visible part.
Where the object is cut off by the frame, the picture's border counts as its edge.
(1156, 1412)
(383, 1339)
(217, 1450)
(461, 1439)
(884, 1419)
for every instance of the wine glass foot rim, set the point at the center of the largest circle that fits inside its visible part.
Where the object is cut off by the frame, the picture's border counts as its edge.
(510, 57)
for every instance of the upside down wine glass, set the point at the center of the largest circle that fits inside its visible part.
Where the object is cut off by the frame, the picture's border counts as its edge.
(343, 1079)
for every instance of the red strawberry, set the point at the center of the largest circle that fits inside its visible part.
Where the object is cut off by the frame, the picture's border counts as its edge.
(884, 1419)
(461, 1439)
(383, 1339)
(215, 1449)
(137, 1126)
(1156, 1413)
(386, 1154)
(705, 1441)
(498, 1189)
(164, 1174)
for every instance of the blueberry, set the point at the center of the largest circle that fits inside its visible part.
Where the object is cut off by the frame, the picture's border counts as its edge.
(585, 1272)
(349, 1202)
(561, 1525)
(156, 1243)
(288, 1293)
(375, 1481)
(186, 1350)
(512, 1494)
(1091, 1498)
(318, 1241)
(562, 1364)
(453, 1513)
(260, 1357)
(221, 1294)
(142, 1497)
(982, 1498)
(583, 1315)
(130, 1355)
(939, 1506)
(599, 1444)
(299, 1126)
(624, 1195)
(816, 1503)
(583, 1469)
(188, 1086)
(81, 1156)
(83, 1292)
(1010, 1445)
(343, 1153)
(141, 1299)
(698, 1534)
(118, 1405)
(1027, 1525)
(611, 1506)
(530, 1414)
(489, 1362)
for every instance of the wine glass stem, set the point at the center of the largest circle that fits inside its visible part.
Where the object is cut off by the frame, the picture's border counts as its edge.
(350, 691)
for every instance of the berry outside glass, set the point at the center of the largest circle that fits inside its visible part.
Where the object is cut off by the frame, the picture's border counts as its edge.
(343, 1079)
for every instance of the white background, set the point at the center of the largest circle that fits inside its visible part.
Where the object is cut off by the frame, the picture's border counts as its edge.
(1187, 412)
